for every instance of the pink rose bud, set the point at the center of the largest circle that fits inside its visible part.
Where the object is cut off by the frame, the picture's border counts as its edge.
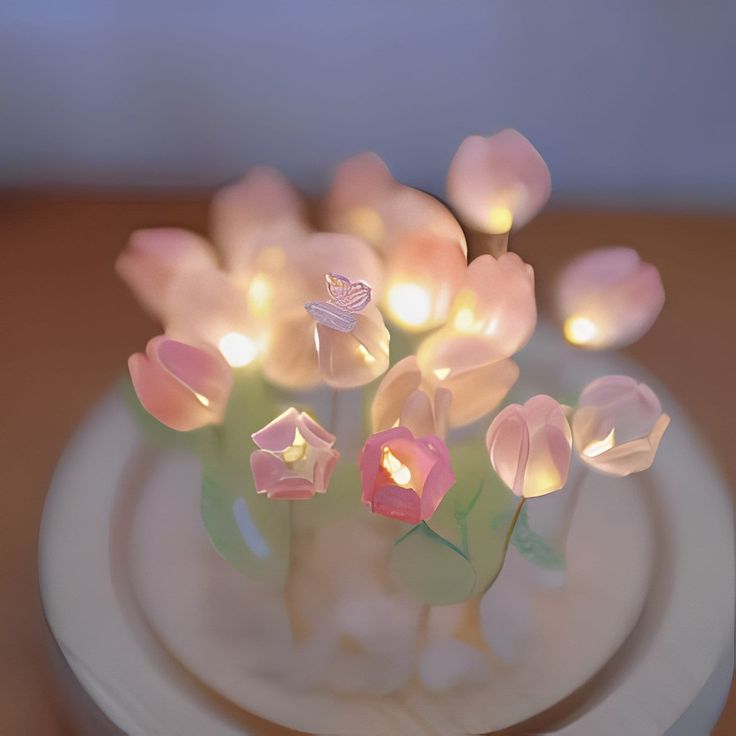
(404, 477)
(530, 446)
(618, 425)
(295, 458)
(497, 182)
(184, 387)
(608, 298)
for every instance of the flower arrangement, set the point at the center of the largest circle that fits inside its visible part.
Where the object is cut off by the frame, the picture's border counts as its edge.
(343, 358)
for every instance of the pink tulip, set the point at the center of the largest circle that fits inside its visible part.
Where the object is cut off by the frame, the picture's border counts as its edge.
(608, 298)
(295, 459)
(404, 477)
(498, 181)
(262, 211)
(153, 261)
(352, 359)
(404, 398)
(470, 368)
(496, 301)
(618, 425)
(182, 386)
(366, 201)
(530, 446)
(423, 273)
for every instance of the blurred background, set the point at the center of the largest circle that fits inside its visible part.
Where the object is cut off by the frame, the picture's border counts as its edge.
(629, 102)
(116, 115)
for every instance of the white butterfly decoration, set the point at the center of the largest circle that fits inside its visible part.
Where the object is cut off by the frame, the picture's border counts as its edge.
(347, 298)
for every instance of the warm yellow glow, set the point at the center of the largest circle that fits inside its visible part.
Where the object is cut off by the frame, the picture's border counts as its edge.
(297, 450)
(598, 447)
(363, 353)
(464, 320)
(202, 399)
(542, 481)
(409, 305)
(271, 258)
(441, 373)
(400, 474)
(579, 330)
(499, 219)
(367, 223)
(260, 294)
(237, 349)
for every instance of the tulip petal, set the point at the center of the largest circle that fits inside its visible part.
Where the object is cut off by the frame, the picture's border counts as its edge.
(279, 434)
(470, 368)
(417, 414)
(182, 386)
(530, 446)
(205, 306)
(324, 253)
(154, 258)
(423, 274)
(503, 172)
(262, 210)
(497, 301)
(365, 200)
(397, 503)
(608, 297)
(618, 425)
(290, 357)
(351, 359)
(395, 388)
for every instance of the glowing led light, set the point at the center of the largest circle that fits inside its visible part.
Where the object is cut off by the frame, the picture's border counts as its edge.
(260, 293)
(400, 474)
(579, 330)
(441, 373)
(297, 450)
(464, 320)
(202, 399)
(410, 305)
(598, 447)
(499, 219)
(237, 349)
(363, 353)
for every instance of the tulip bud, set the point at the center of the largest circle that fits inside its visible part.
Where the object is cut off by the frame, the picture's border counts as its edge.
(530, 446)
(182, 386)
(608, 298)
(618, 425)
(497, 182)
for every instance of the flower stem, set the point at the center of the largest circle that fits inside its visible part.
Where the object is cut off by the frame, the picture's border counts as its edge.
(492, 244)
(506, 543)
(333, 410)
(292, 611)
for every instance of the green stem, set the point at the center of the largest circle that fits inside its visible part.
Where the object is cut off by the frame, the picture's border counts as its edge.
(333, 411)
(506, 543)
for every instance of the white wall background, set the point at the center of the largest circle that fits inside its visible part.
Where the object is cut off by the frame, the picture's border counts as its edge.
(630, 101)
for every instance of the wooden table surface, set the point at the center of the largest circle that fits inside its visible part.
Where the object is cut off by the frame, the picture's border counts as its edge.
(68, 327)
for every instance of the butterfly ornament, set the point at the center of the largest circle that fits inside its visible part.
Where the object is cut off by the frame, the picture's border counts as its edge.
(347, 298)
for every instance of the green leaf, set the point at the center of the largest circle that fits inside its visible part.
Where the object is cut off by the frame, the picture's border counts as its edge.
(432, 569)
(534, 548)
(249, 530)
(476, 513)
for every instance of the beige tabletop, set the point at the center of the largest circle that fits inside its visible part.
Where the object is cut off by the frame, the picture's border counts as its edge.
(68, 327)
